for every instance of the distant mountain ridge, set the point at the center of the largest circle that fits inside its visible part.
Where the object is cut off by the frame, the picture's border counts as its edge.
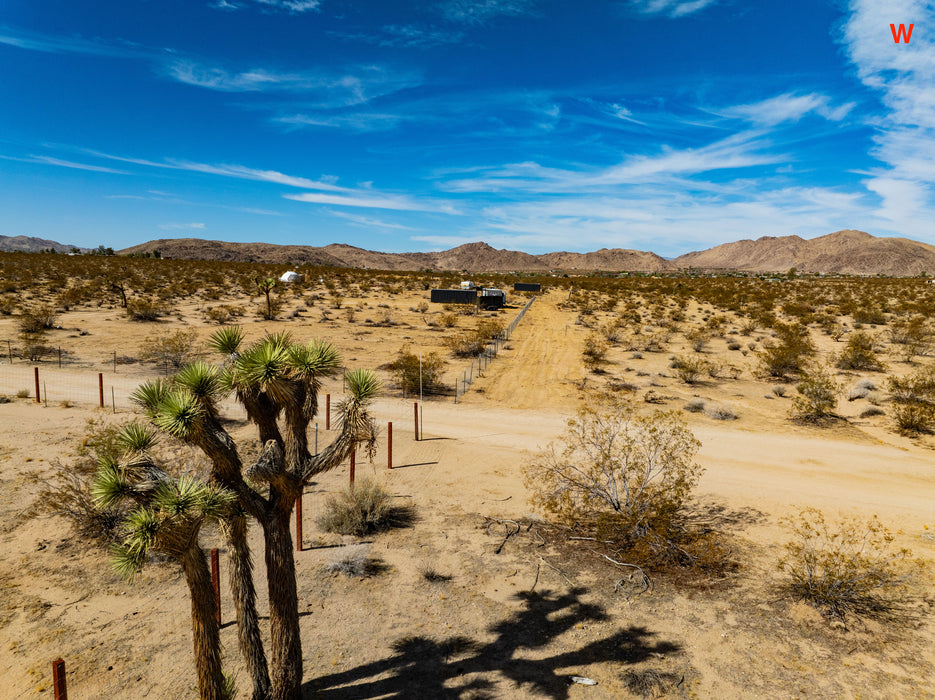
(846, 252)
(30, 244)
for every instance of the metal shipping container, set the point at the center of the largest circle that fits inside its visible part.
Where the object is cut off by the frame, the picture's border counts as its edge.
(454, 296)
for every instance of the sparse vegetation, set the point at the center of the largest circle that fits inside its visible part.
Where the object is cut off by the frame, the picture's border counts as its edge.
(363, 508)
(817, 396)
(849, 568)
(412, 373)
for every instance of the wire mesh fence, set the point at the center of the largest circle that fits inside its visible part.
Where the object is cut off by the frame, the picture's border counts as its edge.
(480, 363)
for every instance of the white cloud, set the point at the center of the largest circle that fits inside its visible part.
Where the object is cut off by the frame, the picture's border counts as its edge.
(368, 221)
(47, 160)
(407, 36)
(57, 44)
(904, 77)
(478, 12)
(173, 227)
(789, 108)
(670, 8)
(362, 198)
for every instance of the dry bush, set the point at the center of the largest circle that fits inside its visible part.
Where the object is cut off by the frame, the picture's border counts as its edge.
(175, 348)
(861, 389)
(913, 417)
(789, 353)
(474, 342)
(720, 412)
(594, 353)
(411, 374)
(623, 475)
(871, 411)
(37, 320)
(914, 335)
(363, 508)
(353, 561)
(690, 369)
(696, 406)
(817, 398)
(914, 401)
(859, 354)
(146, 309)
(849, 568)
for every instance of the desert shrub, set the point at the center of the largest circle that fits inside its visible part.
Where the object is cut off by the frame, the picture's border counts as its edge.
(817, 396)
(872, 411)
(37, 320)
(698, 338)
(363, 508)
(914, 336)
(406, 371)
(720, 412)
(733, 345)
(696, 406)
(449, 320)
(789, 353)
(867, 314)
(850, 568)
(474, 342)
(859, 354)
(689, 369)
(779, 390)
(594, 353)
(918, 387)
(624, 475)
(861, 389)
(175, 348)
(67, 491)
(913, 417)
(144, 309)
(353, 561)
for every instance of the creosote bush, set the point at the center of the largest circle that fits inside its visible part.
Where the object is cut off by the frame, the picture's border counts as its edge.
(788, 353)
(849, 568)
(817, 398)
(363, 508)
(175, 348)
(406, 371)
(859, 354)
(623, 475)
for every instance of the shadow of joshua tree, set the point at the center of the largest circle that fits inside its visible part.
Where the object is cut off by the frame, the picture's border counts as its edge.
(421, 667)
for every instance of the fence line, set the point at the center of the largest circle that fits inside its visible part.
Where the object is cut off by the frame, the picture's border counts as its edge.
(482, 361)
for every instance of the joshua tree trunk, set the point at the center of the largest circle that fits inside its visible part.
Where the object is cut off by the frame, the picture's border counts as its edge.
(248, 622)
(205, 633)
(285, 641)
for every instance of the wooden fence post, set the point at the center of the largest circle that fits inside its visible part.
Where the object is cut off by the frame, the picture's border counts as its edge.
(389, 445)
(59, 686)
(100, 387)
(216, 584)
(38, 400)
(298, 523)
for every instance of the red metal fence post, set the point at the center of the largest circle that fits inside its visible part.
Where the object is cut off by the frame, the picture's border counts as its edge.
(38, 400)
(298, 523)
(327, 411)
(216, 584)
(353, 460)
(389, 445)
(59, 687)
(415, 415)
(100, 387)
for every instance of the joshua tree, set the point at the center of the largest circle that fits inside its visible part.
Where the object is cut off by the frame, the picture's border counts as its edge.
(277, 381)
(266, 286)
(167, 517)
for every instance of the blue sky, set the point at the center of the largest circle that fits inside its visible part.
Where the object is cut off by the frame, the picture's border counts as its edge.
(664, 125)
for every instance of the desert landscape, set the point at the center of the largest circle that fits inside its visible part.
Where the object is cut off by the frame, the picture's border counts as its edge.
(804, 391)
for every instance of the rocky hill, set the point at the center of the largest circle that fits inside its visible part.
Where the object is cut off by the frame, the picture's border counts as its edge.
(29, 244)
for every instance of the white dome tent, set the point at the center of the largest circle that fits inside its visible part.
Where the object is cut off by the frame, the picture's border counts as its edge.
(290, 276)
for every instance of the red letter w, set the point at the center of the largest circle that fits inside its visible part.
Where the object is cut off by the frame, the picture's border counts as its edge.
(902, 33)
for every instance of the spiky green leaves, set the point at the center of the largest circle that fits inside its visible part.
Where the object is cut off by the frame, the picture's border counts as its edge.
(136, 437)
(363, 385)
(178, 413)
(204, 382)
(315, 360)
(226, 340)
(149, 394)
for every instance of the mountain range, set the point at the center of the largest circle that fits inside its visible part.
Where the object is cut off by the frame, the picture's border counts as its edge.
(846, 252)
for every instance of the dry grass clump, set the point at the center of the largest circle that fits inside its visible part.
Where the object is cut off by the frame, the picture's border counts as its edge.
(696, 406)
(364, 508)
(849, 568)
(353, 561)
(720, 412)
(861, 389)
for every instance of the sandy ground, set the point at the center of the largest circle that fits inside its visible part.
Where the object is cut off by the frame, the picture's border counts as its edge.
(519, 615)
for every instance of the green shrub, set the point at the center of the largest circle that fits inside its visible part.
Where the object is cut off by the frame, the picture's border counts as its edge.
(788, 353)
(145, 309)
(594, 353)
(818, 393)
(851, 568)
(406, 372)
(859, 354)
(38, 320)
(175, 348)
(690, 369)
(363, 508)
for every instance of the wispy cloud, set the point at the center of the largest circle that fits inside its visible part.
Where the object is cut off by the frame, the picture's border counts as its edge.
(48, 160)
(368, 221)
(291, 6)
(670, 8)
(45, 43)
(363, 199)
(478, 12)
(407, 36)
(789, 107)
(174, 227)
(904, 77)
